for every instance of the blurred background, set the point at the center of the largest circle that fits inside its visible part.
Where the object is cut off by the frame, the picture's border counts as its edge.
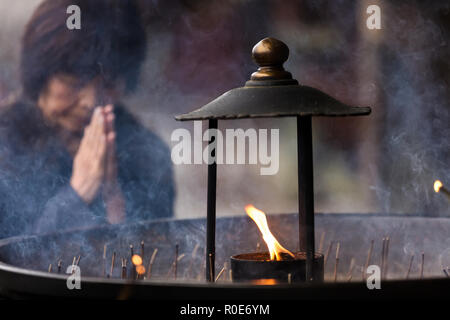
(198, 49)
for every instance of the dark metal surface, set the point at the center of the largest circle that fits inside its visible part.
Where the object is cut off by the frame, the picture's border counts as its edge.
(25, 259)
(211, 214)
(273, 101)
(306, 192)
(17, 283)
(272, 92)
(255, 266)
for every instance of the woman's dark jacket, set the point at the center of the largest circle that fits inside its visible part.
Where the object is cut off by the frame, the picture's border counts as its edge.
(35, 170)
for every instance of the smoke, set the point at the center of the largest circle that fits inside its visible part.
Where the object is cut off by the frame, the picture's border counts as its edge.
(386, 163)
(416, 134)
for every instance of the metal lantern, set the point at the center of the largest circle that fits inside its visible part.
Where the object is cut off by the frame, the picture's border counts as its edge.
(272, 92)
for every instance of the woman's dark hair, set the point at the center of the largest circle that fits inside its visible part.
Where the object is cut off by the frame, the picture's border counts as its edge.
(110, 43)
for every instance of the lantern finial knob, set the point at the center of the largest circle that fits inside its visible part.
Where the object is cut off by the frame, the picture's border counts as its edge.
(270, 54)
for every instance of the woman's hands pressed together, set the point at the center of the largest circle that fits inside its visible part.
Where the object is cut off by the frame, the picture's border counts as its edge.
(95, 164)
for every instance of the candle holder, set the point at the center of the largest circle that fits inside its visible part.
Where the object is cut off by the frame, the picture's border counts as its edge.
(271, 92)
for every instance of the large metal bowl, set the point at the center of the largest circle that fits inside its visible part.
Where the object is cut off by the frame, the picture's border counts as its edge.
(24, 260)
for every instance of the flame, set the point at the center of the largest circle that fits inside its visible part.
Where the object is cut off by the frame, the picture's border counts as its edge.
(264, 282)
(274, 247)
(136, 259)
(140, 269)
(437, 185)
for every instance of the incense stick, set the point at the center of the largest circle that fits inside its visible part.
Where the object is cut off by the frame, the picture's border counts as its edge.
(176, 261)
(443, 269)
(50, 268)
(369, 257)
(172, 266)
(327, 254)
(59, 265)
(410, 265)
(386, 256)
(202, 270)
(113, 258)
(142, 249)
(350, 269)
(73, 264)
(150, 263)
(338, 246)
(132, 269)
(382, 256)
(221, 271)
(124, 268)
(193, 254)
(440, 188)
(322, 239)
(421, 265)
(104, 261)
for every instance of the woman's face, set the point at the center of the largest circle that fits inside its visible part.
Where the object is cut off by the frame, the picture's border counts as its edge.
(69, 105)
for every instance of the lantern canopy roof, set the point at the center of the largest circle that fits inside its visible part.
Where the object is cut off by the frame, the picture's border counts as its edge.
(272, 92)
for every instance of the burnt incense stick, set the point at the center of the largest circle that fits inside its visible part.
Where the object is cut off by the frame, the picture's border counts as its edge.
(386, 256)
(336, 264)
(440, 188)
(421, 265)
(410, 265)
(113, 259)
(321, 242)
(173, 265)
(327, 254)
(289, 278)
(258, 247)
(73, 264)
(193, 254)
(176, 262)
(361, 268)
(202, 270)
(132, 269)
(124, 268)
(59, 265)
(142, 249)
(104, 261)
(350, 269)
(150, 263)
(50, 268)
(384, 252)
(383, 249)
(369, 257)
